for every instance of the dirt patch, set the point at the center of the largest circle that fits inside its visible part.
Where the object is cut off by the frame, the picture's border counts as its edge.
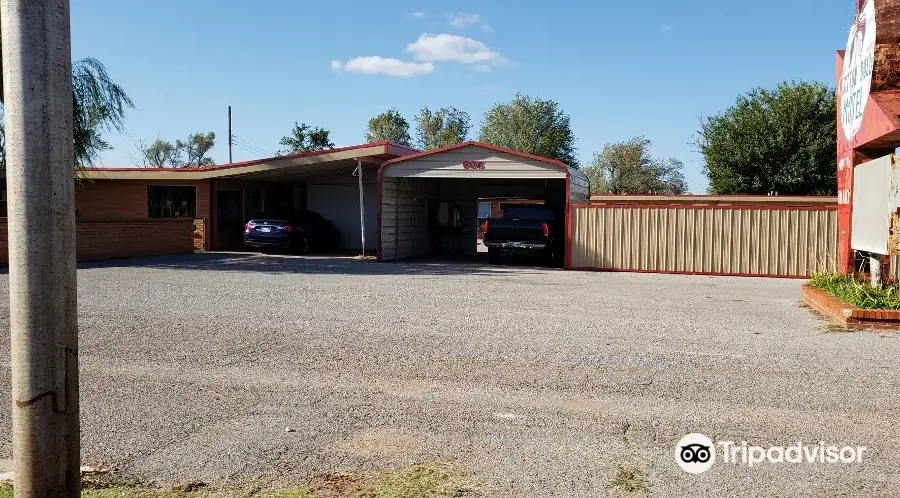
(386, 441)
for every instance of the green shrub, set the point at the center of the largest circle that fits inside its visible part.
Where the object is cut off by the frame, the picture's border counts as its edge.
(857, 293)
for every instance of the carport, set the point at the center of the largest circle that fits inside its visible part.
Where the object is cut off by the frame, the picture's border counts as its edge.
(428, 202)
(338, 184)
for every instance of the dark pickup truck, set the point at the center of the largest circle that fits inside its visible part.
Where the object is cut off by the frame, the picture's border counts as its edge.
(524, 230)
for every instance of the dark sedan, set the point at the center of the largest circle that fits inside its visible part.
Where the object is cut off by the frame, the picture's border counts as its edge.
(302, 234)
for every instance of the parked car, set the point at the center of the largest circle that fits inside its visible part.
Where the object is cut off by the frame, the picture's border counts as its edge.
(524, 230)
(302, 234)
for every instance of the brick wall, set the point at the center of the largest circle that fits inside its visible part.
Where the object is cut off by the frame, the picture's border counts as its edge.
(127, 199)
(200, 234)
(103, 239)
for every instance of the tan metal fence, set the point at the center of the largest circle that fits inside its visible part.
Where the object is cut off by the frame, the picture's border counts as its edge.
(764, 239)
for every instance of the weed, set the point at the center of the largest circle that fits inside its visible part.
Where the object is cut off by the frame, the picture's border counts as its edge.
(857, 293)
(419, 480)
(630, 479)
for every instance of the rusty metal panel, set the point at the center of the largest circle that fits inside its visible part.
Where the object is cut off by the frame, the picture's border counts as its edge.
(735, 241)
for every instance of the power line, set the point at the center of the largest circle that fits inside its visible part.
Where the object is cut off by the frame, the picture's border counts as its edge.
(248, 144)
(250, 147)
(253, 150)
(246, 149)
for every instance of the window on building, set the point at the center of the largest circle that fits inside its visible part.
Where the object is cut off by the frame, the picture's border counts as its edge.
(171, 202)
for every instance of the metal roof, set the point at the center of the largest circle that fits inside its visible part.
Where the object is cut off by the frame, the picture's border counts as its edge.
(279, 168)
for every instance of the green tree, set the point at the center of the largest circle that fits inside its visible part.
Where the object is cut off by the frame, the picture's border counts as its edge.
(159, 154)
(628, 168)
(779, 141)
(530, 125)
(99, 105)
(446, 126)
(190, 153)
(195, 148)
(304, 138)
(389, 125)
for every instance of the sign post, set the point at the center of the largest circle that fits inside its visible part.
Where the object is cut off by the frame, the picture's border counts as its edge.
(854, 83)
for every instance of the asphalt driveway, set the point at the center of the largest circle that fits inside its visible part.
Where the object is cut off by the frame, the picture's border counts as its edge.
(538, 382)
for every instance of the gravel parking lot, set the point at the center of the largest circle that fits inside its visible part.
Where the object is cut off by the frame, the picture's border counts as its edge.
(539, 382)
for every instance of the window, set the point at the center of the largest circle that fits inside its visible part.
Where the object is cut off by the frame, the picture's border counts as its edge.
(171, 202)
(484, 209)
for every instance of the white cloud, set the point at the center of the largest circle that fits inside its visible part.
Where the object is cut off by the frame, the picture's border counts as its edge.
(444, 47)
(417, 15)
(665, 28)
(387, 66)
(487, 28)
(464, 20)
(482, 68)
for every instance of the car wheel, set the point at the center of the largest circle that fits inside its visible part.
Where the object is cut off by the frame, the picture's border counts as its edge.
(493, 257)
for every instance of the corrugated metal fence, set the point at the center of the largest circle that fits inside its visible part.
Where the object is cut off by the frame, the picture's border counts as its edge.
(763, 239)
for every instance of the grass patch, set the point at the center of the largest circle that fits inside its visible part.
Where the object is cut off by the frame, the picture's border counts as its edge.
(857, 293)
(419, 480)
(423, 480)
(630, 479)
(6, 491)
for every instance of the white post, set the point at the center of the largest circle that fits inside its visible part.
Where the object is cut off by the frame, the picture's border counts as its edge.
(37, 84)
(362, 207)
(875, 269)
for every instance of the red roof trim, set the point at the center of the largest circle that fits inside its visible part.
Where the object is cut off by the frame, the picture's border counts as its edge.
(384, 144)
(483, 145)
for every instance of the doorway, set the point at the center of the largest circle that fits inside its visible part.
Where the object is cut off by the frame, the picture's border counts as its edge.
(230, 218)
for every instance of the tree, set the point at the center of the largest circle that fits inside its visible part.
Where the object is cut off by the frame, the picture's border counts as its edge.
(389, 125)
(187, 154)
(159, 154)
(530, 125)
(780, 141)
(304, 138)
(195, 148)
(628, 168)
(446, 126)
(99, 105)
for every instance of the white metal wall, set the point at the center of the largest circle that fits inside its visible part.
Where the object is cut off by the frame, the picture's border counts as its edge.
(403, 218)
(449, 164)
(336, 198)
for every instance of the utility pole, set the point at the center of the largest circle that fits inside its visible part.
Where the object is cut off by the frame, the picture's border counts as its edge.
(40, 178)
(229, 135)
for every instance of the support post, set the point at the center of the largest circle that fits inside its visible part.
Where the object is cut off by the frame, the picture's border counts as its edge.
(362, 207)
(875, 269)
(40, 177)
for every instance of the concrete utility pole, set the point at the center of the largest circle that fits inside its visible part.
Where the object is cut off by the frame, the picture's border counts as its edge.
(37, 85)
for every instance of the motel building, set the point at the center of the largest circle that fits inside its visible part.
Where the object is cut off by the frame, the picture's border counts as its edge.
(401, 202)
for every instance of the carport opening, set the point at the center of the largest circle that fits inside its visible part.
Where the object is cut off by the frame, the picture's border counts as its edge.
(442, 218)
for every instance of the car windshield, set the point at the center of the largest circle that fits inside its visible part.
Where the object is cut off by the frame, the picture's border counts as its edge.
(529, 213)
(267, 222)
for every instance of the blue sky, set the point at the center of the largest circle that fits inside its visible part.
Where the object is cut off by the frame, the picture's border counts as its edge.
(620, 69)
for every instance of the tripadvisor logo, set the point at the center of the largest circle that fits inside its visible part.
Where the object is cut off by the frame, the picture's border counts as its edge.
(695, 453)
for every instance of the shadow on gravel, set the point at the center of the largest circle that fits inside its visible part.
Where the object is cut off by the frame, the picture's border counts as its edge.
(324, 265)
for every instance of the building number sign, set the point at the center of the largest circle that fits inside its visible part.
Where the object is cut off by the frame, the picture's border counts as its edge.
(473, 164)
